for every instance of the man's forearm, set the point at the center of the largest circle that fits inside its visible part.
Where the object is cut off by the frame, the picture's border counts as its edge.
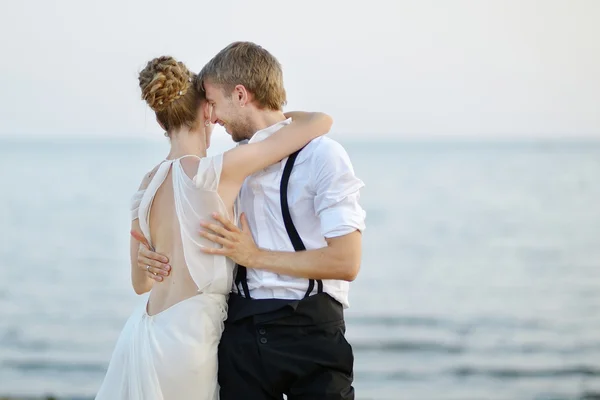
(324, 263)
(340, 259)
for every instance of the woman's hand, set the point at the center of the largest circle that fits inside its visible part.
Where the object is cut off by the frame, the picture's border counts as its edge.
(155, 265)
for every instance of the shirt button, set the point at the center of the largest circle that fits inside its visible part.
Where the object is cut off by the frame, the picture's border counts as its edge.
(263, 340)
(262, 331)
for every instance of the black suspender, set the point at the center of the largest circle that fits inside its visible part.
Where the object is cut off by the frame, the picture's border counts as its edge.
(241, 276)
(287, 218)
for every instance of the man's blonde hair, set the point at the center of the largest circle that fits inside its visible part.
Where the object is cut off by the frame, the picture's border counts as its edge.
(250, 65)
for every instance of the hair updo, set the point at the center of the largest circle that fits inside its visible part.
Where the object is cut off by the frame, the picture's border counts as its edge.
(168, 88)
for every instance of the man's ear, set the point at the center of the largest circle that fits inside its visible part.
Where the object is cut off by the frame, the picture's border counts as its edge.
(241, 95)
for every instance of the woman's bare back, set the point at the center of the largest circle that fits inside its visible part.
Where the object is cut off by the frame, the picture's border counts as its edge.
(166, 238)
(178, 195)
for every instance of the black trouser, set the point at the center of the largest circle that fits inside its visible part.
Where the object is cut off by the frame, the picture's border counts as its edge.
(299, 351)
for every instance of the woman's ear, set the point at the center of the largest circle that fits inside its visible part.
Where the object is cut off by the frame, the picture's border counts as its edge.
(207, 111)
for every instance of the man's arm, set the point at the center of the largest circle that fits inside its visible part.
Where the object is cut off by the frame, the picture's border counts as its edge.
(340, 259)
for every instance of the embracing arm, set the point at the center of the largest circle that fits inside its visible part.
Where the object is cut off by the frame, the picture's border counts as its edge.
(142, 279)
(139, 279)
(340, 259)
(242, 161)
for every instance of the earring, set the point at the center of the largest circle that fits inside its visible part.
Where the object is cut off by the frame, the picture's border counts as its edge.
(242, 105)
(206, 123)
(166, 134)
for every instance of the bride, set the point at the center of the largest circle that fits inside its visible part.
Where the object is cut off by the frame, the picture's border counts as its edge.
(168, 347)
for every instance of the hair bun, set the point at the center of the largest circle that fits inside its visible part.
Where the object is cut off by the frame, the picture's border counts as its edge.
(163, 81)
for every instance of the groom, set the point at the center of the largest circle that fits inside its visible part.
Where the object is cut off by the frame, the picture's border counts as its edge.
(285, 327)
(299, 246)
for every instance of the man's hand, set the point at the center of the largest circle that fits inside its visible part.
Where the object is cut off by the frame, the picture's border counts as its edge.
(154, 265)
(237, 244)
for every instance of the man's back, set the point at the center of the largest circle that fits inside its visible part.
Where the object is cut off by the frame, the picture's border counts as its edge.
(322, 196)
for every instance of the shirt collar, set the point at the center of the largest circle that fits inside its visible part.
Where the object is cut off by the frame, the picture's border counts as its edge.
(268, 131)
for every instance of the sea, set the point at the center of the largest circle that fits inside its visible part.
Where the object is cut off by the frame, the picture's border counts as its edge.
(480, 277)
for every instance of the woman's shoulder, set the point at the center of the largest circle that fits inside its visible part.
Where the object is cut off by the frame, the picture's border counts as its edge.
(149, 176)
(194, 165)
(207, 171)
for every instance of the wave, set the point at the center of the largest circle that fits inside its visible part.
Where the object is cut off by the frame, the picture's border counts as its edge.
(407, 346)
(56, 366)
(14, 339)
(389, 320)
(508, 373)
(460, 326)
(416, 346)
(515, 373)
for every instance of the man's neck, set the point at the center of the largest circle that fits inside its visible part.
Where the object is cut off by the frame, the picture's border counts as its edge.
(264, 119)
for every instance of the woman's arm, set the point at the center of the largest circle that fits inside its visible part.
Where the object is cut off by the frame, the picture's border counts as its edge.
(142, 280)
(242, 161)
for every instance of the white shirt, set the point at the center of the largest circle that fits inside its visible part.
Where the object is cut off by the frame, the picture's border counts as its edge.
(323, 195)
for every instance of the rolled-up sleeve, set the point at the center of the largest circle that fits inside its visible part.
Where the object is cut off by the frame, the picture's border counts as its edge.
(337, 191)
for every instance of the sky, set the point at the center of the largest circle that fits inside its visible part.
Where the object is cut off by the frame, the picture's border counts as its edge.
(380, 68)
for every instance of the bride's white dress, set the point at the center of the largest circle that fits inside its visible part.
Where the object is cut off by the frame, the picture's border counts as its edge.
(172, 355)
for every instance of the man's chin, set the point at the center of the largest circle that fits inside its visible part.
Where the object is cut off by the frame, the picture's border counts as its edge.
(236, 138)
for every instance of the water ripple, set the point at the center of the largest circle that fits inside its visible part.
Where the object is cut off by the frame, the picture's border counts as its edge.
(516, 373)
(54, 366)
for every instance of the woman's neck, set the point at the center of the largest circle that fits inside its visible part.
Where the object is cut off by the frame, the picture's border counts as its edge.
(185, 142)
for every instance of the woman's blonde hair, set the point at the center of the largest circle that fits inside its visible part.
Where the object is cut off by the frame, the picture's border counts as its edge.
(168, 88)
